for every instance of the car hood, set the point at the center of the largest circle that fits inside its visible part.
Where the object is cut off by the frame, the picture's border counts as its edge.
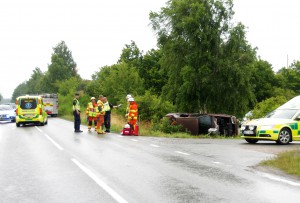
(269, 121)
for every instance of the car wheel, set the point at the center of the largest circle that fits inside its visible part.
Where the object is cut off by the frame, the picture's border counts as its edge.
(42, 123)
(18, 124)
(284, 136)
(251, 141)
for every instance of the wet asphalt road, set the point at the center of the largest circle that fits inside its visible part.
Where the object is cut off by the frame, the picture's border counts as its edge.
(53, 164)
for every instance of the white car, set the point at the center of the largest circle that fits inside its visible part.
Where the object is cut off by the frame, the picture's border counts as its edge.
(7, 113)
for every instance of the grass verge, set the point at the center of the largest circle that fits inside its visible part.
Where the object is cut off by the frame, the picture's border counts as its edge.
(288, 162)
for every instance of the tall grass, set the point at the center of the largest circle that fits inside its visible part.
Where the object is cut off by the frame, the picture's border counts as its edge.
(288, 162)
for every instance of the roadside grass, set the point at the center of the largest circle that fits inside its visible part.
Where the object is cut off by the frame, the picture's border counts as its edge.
(288, 161)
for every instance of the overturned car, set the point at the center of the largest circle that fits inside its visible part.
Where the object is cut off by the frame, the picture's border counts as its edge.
(196, 123)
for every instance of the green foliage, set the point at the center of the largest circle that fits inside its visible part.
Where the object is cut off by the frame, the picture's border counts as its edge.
(165, 126)
(268, 105)
(115, 82)
(152, 73)
(289, 78)
(131, 55)
(62, 67)
(263, 80)
(206, 60)
(152, 107)
(1, 97)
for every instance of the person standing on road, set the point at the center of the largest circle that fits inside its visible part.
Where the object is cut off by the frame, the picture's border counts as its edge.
(76, 113)
(91, 113)
(107, 117)
(100, 116)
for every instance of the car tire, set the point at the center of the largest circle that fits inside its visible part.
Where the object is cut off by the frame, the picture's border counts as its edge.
(284, 136)
(42, 123)
(251, 141)
(18, 124)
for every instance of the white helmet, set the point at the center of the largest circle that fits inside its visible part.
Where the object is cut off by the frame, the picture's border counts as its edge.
(128, 96)
(93, 98)
(130, 99)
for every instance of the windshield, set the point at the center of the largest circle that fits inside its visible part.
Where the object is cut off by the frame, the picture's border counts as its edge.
(28, 103)
(282, 113)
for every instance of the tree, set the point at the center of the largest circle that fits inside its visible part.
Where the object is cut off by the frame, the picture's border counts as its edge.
(1, 97)
(153, 75)
(62, 67)
(289, 78)
(131, 55)
(21, 89)
(116, 82)
(34, 85)
(206, 60)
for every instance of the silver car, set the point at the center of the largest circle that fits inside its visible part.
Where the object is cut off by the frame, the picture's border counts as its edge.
(7, 113)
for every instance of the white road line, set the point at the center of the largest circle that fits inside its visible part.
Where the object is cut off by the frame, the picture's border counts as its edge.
(153, 145)
(50, 139)
(134, 140)
(216, 162)
(280, 179)
(179, 152)
(38, 129)
(102, 184)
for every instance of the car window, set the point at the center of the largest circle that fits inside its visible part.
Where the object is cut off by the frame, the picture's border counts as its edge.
(28, 103)
(282, 113)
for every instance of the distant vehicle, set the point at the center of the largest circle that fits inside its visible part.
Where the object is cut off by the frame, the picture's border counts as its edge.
(281, 125)
(50, 103)
(30, 109)
(13, 105)
(196, 123)
(7, 113)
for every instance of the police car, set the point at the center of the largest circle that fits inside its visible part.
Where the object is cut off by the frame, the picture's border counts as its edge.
(281, 125)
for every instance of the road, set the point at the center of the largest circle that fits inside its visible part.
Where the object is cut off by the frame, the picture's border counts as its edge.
(53, 164)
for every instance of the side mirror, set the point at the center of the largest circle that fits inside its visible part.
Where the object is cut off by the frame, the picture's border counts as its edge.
(297, 118)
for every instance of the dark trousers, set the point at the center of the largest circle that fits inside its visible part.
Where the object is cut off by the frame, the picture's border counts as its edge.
(77, 121)
(107, 120)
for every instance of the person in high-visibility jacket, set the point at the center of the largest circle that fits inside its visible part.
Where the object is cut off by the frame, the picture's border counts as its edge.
(100, 116)
(132, 114)
(91, 113)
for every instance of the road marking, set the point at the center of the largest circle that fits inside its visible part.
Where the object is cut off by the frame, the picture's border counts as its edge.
(38, 129)
(134, 140)
(153, 145)
(179, 152)
(50, 139)
(280, 179)
(216, 162)
(102, 184)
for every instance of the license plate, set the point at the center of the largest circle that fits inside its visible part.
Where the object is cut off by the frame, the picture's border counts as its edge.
(28, 115)
(248, 132)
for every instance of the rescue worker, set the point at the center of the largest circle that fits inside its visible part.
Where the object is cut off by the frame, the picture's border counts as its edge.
(107, 117)
(100, 116)
(132, 115)
(76, 113)
(91, 113)
(128, 103)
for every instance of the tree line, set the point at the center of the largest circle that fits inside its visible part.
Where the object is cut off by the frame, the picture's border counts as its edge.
(203, 63)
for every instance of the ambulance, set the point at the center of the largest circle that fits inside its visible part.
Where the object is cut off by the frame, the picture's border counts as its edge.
(30, 110)
(281, 125)
(50, 103)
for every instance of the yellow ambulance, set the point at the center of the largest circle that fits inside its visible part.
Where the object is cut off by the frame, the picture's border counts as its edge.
(30, 110)
(281, 125)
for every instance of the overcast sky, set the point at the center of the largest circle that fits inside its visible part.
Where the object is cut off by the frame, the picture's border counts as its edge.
(96, 31)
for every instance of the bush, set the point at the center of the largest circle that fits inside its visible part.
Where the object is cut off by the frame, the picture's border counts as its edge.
(165, 126)
(268, 105)
(153, 108)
